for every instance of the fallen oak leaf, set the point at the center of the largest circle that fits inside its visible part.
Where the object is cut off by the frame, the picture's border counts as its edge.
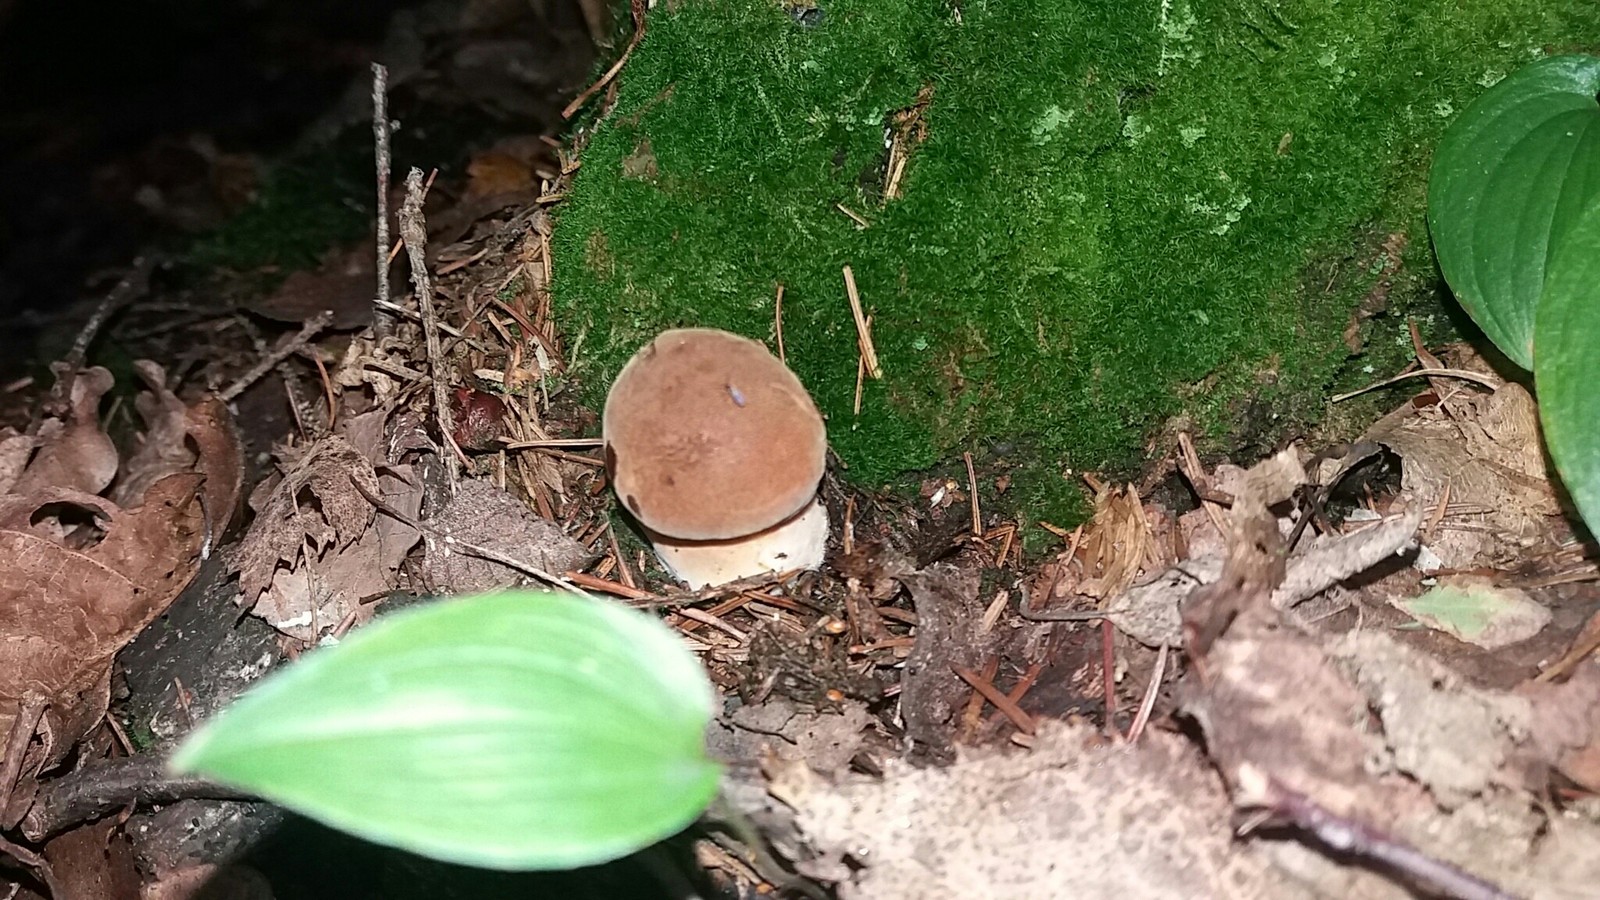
(76, 453)
(163, 449)
(14, 452)
(1149, 614)
(306, 600)
(65, 612)
(314, 507)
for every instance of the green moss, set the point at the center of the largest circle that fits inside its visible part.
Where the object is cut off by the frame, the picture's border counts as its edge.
(1115, 218)
(304, 206)
(322, 196)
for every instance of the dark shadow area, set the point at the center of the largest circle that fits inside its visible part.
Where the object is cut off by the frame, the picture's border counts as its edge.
(307, 861)
(115, 114)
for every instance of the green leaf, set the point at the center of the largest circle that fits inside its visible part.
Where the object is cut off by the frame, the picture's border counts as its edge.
(512, 731)
(1566, 370)
(1508, 180)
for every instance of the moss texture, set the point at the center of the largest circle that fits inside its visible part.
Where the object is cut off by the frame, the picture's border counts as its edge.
(1120, 212)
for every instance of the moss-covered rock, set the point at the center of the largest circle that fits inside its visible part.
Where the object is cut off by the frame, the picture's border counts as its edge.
(1108, 213)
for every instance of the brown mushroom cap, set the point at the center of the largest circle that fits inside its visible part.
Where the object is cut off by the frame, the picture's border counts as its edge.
(709, 437)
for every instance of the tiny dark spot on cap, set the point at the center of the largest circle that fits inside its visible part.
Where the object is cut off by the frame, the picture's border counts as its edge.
(671, 482)
(633, 503)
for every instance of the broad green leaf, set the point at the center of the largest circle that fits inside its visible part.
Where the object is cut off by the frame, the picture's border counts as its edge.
(1508, 180)
(512, 731)
(1478, 612)
(1566, 368)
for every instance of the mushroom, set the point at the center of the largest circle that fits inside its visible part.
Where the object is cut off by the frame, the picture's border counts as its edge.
(716, 450)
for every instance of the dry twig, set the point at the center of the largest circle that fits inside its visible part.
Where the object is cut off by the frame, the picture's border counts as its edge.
(415, 234)
(1150, 694)
(869, 354)
(382, 323)
(127, 289)
(1487, 381)
(1012, 711)
(777, 324)
(1279, 803)
(638, 8)
(287, 346)
(972, 491)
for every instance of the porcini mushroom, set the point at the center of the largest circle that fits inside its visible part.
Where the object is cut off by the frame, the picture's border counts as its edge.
(716, 450)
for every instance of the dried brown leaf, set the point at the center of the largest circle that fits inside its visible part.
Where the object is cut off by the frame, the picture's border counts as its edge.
(1484, 450)
(14, 452)
(1566, 724)
(306, 599)
(163, 449)
(77, 455)
(66, 611)
(1117, 545)
(315, 508)
(94, 862)
(343, 286)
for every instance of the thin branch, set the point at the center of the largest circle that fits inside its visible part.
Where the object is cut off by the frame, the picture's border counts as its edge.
(1487, 381)
(415, 233)
(287, 346)
(129, 288)
(1279, 803)
(102, 789)
(382, 322)
(638, 7)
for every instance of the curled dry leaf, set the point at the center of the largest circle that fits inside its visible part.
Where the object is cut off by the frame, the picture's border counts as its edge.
(164, 448)
(318, 548)
(66, 611)
(1484, 455)
(75, 454)
(314, 505)
(1117, 544)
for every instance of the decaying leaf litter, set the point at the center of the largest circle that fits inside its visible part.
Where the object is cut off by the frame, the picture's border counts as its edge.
(1279, 692)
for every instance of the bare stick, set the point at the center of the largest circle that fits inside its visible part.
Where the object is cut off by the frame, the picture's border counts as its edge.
(382, 321)
(777, 324)
(1487, 381)
(1279, 803)
(133, 284)
(286, 347)
(105, 788)
(972, 490)
(869, 354)
(985, 688)
(415, 234)
(1150, 692)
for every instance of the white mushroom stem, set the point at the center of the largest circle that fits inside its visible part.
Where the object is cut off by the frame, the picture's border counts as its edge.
(798, 542)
